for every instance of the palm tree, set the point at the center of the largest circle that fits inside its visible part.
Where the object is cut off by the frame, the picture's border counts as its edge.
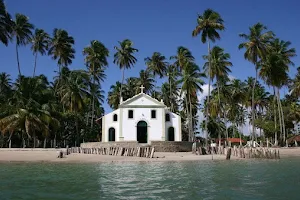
(40, 43)
(5, 24)
(124, 57)
(295, 84)
(96, 59)
(73, 92)
(183, 56)
(257, 47)
(113, 97)
(22, 31)
(145, 79)
(208, 25)
(157, 64)
(172, 73)
(61, 48)
(191, 84)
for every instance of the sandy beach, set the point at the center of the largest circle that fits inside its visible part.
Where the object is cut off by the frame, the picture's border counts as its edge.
(49, 155)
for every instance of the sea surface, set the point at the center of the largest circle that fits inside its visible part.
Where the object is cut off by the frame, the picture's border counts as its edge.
(241, 179)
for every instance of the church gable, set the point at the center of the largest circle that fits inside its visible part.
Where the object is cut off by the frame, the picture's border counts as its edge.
(142, 100)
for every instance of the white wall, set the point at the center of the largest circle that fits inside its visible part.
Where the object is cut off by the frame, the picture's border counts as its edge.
(175, 121)
(108, 123)
(155, 126)
(129, 126)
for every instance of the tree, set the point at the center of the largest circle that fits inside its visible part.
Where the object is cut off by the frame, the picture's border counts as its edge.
(40, 43)
(295, 84)
(113, 97)
(22, 31)
(191, 84)
(157, 64)
(72, 92)
(145, 79)
(61, 48)
(208, 25)
(219, 65)
(182, 57)
(96, 59)
(256, 47)
(274, 71)
(5, 24)
(124, 57)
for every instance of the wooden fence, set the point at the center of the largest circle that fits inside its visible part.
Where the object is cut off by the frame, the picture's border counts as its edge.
(240, 152)
(146, 152)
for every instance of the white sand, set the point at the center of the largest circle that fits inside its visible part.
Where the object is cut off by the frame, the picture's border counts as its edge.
(50, 155)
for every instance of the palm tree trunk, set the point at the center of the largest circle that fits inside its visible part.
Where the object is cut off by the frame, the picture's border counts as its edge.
(191, 118)
(282, 116)
(123, 71)
(35, 58)
(207, 117)
(88, 114)
(170, 97)
(252, 105)
(275, 118)
(93, 105)
(45, 142)
(9, 140)
(77, 132)
(187, 114)
(219, 99)
(34, 140)
(279, 116)
(19, 68)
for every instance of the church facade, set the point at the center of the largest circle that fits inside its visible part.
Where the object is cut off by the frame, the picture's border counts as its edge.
(141, 119)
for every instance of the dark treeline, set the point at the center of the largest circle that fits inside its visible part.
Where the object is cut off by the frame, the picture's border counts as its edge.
(36, 112)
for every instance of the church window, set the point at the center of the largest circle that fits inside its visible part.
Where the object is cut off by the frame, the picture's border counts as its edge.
(153, 114)
(111, 134)
(130, 114)
(167, 117)
(115, 118)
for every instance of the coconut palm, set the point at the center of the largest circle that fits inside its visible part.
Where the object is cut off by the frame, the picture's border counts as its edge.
(5, 24)
(113, 97)
(5, 83)
(183, 56)
(219, 65)
(157, 64)
(61, 48)
(124, 57)
(191, 84)
(295, 85)
(22, 32)
(172, 73)
(208, 25)
(72, 92)
(96, 59)
(40, 43)
(145, 79)
(256, 47)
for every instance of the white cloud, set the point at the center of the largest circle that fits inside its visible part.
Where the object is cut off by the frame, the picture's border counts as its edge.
(231, 77)
(201, 96)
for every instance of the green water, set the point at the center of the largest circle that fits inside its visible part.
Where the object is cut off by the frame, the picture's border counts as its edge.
(246, 179)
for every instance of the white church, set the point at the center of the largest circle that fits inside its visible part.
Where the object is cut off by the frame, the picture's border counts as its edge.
(141, 119)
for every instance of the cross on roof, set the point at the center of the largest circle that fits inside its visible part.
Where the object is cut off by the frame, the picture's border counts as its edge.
(142, 89)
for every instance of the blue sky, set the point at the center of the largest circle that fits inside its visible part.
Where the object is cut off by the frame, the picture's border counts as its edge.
(154, 25)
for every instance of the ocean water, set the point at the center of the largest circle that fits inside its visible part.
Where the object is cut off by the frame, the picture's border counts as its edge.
(243, 179)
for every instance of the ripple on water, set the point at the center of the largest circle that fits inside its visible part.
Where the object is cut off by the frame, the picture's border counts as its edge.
(241, 179)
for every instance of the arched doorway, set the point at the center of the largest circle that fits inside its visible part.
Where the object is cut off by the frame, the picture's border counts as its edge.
(141, 132)
(111, 134)
(171, 135)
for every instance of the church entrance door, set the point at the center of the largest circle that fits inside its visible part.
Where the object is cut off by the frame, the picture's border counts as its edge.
(142, 136)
